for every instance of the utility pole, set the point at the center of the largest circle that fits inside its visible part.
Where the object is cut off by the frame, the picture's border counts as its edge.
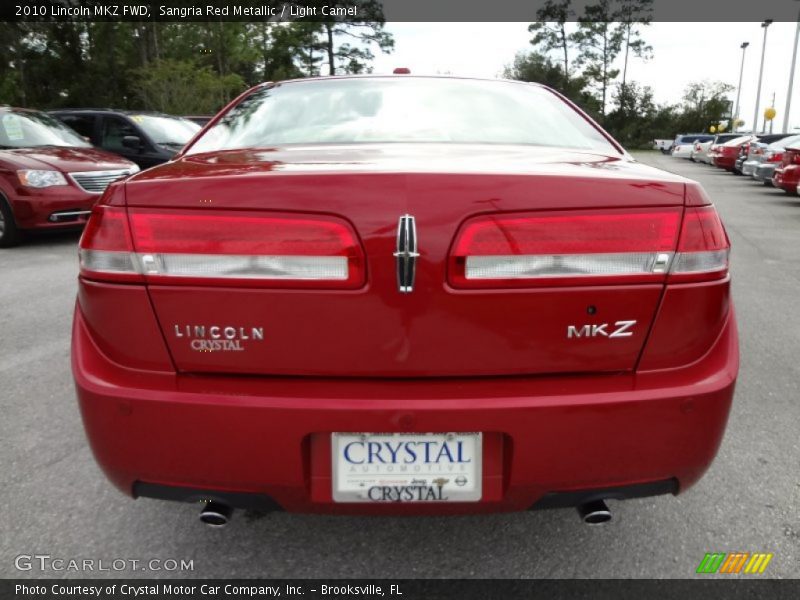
(764, 25)
(739, 89)
(791, 79)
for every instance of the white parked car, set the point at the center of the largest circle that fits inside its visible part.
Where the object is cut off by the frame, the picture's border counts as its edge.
(699, 152)
(684, 144)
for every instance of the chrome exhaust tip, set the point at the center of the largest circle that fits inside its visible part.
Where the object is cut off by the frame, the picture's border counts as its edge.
(594, 513)
(215, 514)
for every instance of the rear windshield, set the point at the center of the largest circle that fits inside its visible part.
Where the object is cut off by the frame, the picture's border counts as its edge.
(386, 110)
(768, 139)
(787, 142)
(737, 141)
(28, 129)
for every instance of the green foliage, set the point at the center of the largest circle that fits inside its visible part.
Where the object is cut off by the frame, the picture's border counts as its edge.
(599, 42)
(539, 68)
(635, 120)
(362, 33)
(636, 116)
(184, 87)
(704, 103)
(550, 30)
(127, 65)
(633, 14)
(608, 31)
(641, 121)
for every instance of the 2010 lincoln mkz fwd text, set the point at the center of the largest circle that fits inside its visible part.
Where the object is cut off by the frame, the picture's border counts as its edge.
(402, 295)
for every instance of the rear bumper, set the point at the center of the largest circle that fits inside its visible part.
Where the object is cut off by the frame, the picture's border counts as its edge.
(764, 172)
(749, 167)
(725, 162)
(787, 178)
(266, 441)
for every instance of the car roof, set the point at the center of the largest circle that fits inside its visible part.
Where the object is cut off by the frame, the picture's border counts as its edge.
(6, 108)
(401, 78)
(125, 112)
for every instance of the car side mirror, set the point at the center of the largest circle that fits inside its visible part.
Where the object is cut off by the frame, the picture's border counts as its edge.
(133, 142)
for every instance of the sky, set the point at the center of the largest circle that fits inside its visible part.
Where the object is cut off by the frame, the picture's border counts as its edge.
(682, 53)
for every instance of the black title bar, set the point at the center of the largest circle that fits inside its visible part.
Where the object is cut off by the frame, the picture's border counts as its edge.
(711, 11)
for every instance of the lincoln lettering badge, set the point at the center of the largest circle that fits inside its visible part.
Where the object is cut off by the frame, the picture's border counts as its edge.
(218, 338)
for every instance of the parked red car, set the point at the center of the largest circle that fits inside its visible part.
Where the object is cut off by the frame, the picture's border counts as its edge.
(356, 295)
(787, 175)
(725, 155)
(49, 176)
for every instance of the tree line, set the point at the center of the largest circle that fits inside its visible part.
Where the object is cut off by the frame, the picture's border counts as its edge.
(197, 67)
(588, 63)
(180, 68)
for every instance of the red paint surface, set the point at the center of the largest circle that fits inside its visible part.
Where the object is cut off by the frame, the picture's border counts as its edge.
(557, 413)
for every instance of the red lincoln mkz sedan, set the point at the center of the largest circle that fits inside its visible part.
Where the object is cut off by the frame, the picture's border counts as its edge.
(403, 295)
(49, 176)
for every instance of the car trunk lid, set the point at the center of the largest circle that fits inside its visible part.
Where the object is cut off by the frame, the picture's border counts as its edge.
(375, 329)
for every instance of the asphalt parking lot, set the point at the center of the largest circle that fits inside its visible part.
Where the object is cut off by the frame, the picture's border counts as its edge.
(56, 501)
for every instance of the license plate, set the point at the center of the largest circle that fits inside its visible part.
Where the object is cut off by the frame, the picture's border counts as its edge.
(407, 467)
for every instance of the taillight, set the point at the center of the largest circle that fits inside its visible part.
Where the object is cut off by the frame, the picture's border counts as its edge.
(563, 248)
(774, 157)
(105, 250)
(703, 247)
(589, 248)
(220, 248)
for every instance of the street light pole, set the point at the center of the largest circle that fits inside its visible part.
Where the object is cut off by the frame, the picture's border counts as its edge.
(765, 25)
(739, 89)
(791, 79)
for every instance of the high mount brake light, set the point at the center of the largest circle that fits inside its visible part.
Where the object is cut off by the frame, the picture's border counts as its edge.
(220, 248)
(589, 248)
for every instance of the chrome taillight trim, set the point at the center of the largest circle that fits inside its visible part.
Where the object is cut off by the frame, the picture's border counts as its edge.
(539, 266)
(217, 266)
(237, 266)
